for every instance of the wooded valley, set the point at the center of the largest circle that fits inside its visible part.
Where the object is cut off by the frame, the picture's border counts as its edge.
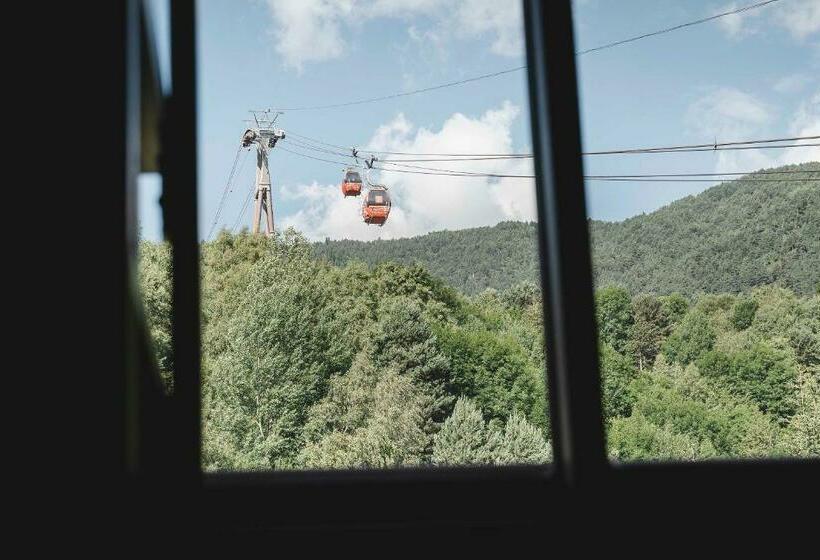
(429, 351)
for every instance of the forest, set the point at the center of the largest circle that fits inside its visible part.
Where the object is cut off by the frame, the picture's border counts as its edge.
(750, 232)
(317, 362)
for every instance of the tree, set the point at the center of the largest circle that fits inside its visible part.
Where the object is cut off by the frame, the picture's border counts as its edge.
(648, 331)
(637, 438)
(693, 337)
(493, 369)
(369, 419)
(466, 439)
(463, 437)
(155, 289)
(613, 309)
(617, 373)
(278, 350)
(802, 438)
(682, 400)
(674, 306)
(404, 340)
(521, 443)
(743, 313)
(761, 372)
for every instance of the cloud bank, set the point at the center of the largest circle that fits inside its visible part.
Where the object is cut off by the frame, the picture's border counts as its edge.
(424, 203)
(728, 114)
(800, 18)
(316, 30)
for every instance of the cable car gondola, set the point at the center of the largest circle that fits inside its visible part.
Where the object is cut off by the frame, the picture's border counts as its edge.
(352, 183)
(376, 205)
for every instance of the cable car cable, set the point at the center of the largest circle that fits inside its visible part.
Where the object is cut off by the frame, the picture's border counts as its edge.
(672, 177)
(225, 192)
(523, 67)
(715, 146)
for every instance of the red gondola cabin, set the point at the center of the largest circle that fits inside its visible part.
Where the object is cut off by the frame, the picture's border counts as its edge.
(376, 206)
(352, 183)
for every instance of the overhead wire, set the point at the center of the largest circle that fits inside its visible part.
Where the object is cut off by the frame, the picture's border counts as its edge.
(225, 192)
(523, 67)
(772, 143)
(656, 177)
(677, 27)
(244, 207)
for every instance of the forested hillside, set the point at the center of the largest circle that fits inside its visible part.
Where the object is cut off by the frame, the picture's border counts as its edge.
(754, 231)
(310, 365)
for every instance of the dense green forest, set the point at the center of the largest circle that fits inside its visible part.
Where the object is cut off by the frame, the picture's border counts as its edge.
(311, 365)
(751, 232)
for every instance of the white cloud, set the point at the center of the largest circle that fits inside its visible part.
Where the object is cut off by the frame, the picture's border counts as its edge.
(728, 115)
(793, 83)
(738, 25)
(315, 30)
(423, 203)
(503, 20)
(308, 30)
(806, 122)
(801, 18)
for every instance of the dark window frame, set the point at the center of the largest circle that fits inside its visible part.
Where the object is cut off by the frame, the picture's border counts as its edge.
(168, 429)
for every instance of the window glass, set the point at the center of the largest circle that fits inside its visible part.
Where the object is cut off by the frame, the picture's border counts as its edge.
(153, 252)
(343, 336)
(700, 132)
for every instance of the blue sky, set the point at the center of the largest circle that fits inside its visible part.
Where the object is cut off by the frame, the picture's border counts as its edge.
(750, 76)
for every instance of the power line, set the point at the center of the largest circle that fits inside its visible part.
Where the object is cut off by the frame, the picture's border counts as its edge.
(676, 27)
(244, 207)
(664, 178)
(225, 192)
(406, 93)
(773, 143)
(523, 67)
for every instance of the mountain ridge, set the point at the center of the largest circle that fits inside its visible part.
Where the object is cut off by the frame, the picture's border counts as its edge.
(757, 229)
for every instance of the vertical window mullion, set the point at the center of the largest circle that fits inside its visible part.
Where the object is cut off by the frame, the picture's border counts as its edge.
(566, 271)
(179, 147)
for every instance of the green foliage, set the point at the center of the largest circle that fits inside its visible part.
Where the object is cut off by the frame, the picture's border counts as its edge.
(727, 239)
(636, 438)
(802, 438)
(694, 336)
(613, 310)
(493, 369)
(743, 313)
(521, 443)
(674, 306)
(465, 439)
(369, 419)
(155, 289)
(762, 373)
(285, 339)
(403, 340)
(617, 373)
(311, 365)
(649, 329)
(684, 402)
(471, 260)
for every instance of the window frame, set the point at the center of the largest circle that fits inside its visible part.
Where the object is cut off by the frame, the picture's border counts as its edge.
(464, 496)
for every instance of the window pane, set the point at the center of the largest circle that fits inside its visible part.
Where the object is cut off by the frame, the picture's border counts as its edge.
(397, 321)
(706, 253)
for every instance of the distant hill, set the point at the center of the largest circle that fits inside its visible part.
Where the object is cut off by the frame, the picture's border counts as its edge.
(734, 236)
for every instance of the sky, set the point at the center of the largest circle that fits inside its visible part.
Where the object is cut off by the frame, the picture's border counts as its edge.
(751, 75)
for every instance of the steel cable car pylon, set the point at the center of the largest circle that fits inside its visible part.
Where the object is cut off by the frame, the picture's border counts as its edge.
(265, 136)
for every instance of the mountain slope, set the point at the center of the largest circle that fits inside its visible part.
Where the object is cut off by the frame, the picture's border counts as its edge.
(734, 236)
